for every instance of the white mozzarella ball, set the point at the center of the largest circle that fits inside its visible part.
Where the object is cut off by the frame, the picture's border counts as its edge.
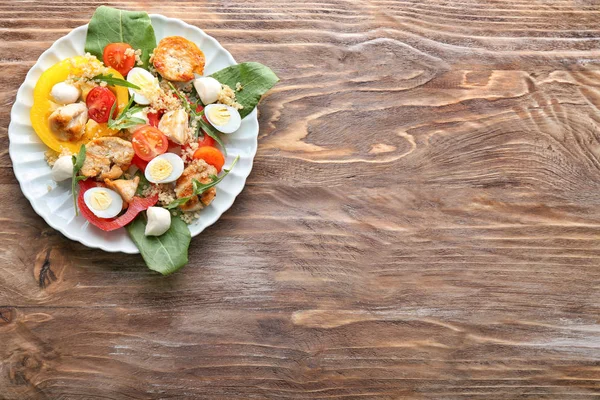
(62, 169)
(159, 221)
(64, 93)
(208, 89)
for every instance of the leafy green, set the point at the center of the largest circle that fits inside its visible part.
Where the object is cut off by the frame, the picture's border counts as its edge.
(199, 188)
(210, 131)
(184, 101)
(125, 119)
(111, 80)
(255, 78)
(78, 161)
(109, 25)
(166, 253)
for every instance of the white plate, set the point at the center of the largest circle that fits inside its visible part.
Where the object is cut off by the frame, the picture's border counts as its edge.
(54, 202)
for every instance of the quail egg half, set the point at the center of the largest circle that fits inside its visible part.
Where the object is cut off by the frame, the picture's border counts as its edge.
(224, 118)
(103, 202)
(164, 168)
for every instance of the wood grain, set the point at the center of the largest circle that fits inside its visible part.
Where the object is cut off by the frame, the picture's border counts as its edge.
(421, 221)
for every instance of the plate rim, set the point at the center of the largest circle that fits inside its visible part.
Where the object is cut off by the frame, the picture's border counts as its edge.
(21, 96)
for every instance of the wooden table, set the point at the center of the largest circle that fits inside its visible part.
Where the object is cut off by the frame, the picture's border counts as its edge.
(421, 221)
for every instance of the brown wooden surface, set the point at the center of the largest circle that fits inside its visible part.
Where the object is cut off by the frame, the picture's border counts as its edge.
(421, 221)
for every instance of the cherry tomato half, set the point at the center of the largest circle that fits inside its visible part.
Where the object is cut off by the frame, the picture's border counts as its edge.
(148, 142)
(206, 141)
(99, 101)
(211, 155)
(138, 162)
(114, 56)
(154, 118)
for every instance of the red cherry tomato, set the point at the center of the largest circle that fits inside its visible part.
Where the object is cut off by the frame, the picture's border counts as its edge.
(154, 118)
(176, 148)
(206, 141)
(148, 142)
(199, 108)
(114, 56)
(138, 162)
(99, 101)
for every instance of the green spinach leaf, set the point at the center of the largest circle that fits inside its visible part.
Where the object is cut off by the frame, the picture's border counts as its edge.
(255, 78)
(109, 25)
(166, 253)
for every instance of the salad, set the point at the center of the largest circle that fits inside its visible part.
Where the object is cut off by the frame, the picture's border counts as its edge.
(137, 128)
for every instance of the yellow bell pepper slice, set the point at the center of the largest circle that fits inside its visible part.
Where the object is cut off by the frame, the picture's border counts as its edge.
(43, 105)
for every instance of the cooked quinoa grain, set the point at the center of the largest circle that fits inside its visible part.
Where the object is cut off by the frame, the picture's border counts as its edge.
(187, 154)
(166, 193)
(129, 52)
(190, 217)
(227, 97)
(86, 72)
(51, 156)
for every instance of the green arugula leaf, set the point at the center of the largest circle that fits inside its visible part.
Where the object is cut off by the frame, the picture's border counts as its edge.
(256, 80)
(165, 253)
(130, 123)
(177, 203)
(184, 101)
(199, 188)
(135, 109)
(78, 161)
(109, 25)
(125, 119)
(112, 81)
(212, 132)
(111, 121)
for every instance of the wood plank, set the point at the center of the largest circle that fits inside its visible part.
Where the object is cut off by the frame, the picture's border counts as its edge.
(421, 220)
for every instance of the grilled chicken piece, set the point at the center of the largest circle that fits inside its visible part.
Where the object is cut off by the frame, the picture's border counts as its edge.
(68, 122)
(174, 124)
(176, 59)
(107, 158)
(125, 187)
(201, 171)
